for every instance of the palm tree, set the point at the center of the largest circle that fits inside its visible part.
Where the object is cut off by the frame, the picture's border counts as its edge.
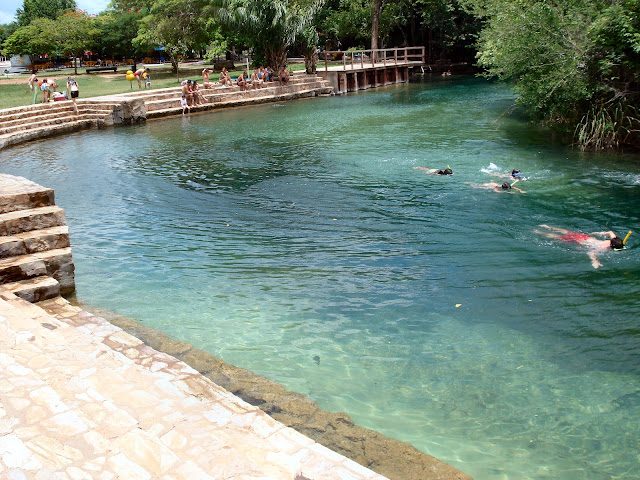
(272, 25)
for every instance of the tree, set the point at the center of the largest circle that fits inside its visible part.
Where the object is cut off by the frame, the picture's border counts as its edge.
(6, 30)
(178, 26)
(37, 38)
(117, 31)
(51, 9)
(375, 21)
(76, 32)
(272, 26)
(575, 63)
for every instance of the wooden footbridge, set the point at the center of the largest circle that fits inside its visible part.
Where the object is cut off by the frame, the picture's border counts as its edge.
(361, 69)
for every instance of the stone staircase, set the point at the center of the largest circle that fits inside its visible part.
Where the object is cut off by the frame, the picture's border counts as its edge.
(35, 253)
(30, 122)
(167, 102)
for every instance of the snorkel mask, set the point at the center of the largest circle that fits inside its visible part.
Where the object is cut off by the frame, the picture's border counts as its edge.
(623, 242)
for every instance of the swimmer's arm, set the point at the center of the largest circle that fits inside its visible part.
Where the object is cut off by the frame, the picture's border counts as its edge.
(609, 234)
(595, 263)
(424, 169)
(516, 188)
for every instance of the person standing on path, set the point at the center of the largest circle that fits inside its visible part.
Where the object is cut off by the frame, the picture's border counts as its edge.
(72, 88)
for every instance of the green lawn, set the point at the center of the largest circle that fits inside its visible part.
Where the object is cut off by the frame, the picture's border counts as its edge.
(96, 84)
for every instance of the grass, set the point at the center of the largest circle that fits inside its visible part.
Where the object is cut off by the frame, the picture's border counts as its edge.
(96, 84)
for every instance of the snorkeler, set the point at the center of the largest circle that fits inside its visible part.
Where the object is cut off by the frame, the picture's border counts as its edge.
(594, 245)
(516, 174)
(436, 171)
(497, 187)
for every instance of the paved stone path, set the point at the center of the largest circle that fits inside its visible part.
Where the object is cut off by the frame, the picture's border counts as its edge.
(82, 399)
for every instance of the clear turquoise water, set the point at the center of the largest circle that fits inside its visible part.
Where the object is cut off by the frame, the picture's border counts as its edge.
(273, 234)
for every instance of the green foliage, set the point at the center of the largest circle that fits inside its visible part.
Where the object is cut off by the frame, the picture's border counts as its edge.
(51, 9)
(176, 25)
(117, 31)
(217, 46)
(271, 27)
(575, 63)
(37, 38)
(444, 26)
(6, 31)
(75, 33)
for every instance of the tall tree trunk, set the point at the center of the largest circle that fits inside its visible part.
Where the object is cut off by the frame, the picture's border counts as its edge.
(375, 20)
(175, 65)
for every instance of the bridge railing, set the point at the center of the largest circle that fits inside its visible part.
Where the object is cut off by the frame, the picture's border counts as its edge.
(353, 59)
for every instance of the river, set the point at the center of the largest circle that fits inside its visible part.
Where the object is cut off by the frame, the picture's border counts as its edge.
(297, 240)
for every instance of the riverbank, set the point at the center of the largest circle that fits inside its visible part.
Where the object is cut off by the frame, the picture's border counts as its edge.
(335, 430)
(31, 237)
(80, 398)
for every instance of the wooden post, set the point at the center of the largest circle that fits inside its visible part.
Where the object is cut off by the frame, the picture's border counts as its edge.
(326, 62)
(344, 62)
(352, 60)
(395, 56)
(362, 59)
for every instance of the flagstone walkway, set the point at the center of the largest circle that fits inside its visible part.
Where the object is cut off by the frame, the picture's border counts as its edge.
(82, 399)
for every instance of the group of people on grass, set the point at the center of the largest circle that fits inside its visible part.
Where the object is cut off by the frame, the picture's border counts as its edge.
(596, 242)
(48, 86)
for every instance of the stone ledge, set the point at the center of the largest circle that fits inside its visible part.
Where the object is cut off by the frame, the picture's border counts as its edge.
(81, 398)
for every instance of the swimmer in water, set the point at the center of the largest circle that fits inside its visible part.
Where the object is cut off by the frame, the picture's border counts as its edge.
(515, 174)
(435, 171)
(496, 187)
(595, 245)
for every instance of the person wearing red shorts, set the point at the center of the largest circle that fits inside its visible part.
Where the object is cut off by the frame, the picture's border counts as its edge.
(591, 241)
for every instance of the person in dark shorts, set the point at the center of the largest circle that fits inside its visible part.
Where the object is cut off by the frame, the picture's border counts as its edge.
(74, 92)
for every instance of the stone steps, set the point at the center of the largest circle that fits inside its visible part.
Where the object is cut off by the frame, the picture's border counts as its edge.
(31, 122)
(35, 289)
(54, 263)
(34, 241)
(35, 253)
(232, 102)
(21, 136)
(156, 102)
(233, 96)
(31, 110)
(17, 193)
(20, 221)
(40, 122)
